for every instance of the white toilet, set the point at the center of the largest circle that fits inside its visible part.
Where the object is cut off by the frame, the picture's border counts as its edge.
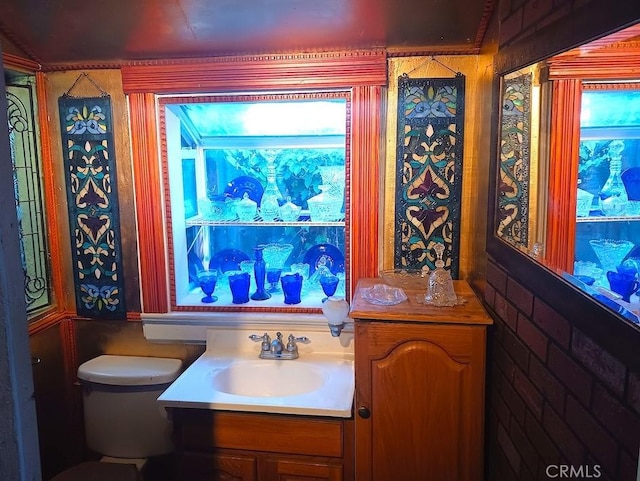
(123, 421)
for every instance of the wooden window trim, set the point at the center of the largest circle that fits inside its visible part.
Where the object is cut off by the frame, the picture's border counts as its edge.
(563, 178)
(363, 72)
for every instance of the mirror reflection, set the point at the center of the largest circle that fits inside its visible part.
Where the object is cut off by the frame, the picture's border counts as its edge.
(569, 177)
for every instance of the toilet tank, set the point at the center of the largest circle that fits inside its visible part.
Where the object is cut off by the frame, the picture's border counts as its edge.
(121, 416)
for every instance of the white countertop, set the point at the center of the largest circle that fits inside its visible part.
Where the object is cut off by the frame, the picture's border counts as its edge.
(324, 370)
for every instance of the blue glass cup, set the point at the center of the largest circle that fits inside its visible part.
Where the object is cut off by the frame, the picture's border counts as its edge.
(329, 285)
(623, 284)
(626, 269)
(239, 284)
(292, 287)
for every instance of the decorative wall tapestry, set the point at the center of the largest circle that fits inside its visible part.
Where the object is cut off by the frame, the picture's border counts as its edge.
(89, 159)
(428, 171)
(513, 190)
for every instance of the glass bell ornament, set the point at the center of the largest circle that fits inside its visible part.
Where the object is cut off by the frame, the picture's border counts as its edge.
(440, 290)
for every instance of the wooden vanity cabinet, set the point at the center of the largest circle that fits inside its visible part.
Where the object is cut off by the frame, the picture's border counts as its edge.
(234, 446)
(420, 376)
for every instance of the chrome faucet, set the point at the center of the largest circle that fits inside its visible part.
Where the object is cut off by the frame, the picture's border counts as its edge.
(276, 349)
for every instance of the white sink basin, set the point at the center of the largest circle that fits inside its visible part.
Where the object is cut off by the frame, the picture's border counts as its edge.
(230, 376)
(268, 378)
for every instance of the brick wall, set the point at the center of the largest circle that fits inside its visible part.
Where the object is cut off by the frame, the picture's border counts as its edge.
(555, 396)
(522, 18)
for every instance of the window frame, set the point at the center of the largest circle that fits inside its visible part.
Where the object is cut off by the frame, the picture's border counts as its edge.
(364, 73)
(56, 310)
(163, 102)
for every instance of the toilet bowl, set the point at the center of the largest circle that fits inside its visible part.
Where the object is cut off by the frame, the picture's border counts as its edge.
(122, 419)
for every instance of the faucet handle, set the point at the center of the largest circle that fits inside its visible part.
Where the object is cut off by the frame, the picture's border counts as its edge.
(266, 341)
(292, 340)
(256, 338)
(302, 339)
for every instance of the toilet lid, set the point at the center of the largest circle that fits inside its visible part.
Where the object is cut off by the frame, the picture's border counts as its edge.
(130, 370)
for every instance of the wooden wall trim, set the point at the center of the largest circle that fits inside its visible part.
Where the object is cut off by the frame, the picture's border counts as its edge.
(610, 86)
(365, 182)
(147, 184)
(50, 195)
(19, 63)
(618, 61)
(319, 70)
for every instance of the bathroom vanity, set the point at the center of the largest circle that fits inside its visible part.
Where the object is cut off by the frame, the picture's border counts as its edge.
(243, 412)
(228, 445)
(420, 376)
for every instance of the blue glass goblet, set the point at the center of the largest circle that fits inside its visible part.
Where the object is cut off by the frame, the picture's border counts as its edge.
(329, 285)
(273, 276)
(207, 280)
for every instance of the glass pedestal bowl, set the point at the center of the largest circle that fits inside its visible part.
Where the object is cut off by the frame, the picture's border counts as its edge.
(611, 252)
(275, 254)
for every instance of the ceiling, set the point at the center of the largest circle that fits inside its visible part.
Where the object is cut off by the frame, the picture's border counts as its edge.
(74, 31)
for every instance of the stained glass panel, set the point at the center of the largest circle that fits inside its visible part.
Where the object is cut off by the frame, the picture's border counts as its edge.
(27, 179)
(429, 171)
(515, 140)
(89, 159)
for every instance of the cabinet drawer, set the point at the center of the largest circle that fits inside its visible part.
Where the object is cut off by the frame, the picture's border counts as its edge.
(205, 429)
(205, 467)
(300, 469)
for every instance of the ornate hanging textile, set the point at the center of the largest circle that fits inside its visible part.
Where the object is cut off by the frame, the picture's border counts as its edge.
(428, 171)
(91, 184)
(515, 138)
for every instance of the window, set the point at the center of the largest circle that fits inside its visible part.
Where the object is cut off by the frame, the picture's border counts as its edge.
(28, 185)
(253, 178)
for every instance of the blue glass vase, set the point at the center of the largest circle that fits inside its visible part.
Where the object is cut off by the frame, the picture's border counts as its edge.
(239, 284)
(260, 271)
(292, 288)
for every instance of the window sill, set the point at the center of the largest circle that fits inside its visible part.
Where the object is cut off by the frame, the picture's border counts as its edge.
(191, 327)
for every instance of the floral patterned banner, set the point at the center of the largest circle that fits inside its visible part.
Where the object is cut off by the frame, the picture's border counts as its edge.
(87, 148)
(428, 171)
(513, 190)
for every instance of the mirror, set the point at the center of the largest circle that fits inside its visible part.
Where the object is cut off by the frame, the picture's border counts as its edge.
(568, 177)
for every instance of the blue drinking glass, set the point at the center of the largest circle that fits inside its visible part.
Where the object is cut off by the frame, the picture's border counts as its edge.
(329, 285)
(273, 276)
(292, 287)
(239, 283)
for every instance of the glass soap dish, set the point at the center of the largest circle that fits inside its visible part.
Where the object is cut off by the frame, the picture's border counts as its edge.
(384, 295)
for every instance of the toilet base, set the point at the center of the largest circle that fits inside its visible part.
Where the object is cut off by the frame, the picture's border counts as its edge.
(99, 471)
(138, 462)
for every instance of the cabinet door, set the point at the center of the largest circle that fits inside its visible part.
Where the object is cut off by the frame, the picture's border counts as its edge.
(300, 469)
(419, 397)
(218, 467)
